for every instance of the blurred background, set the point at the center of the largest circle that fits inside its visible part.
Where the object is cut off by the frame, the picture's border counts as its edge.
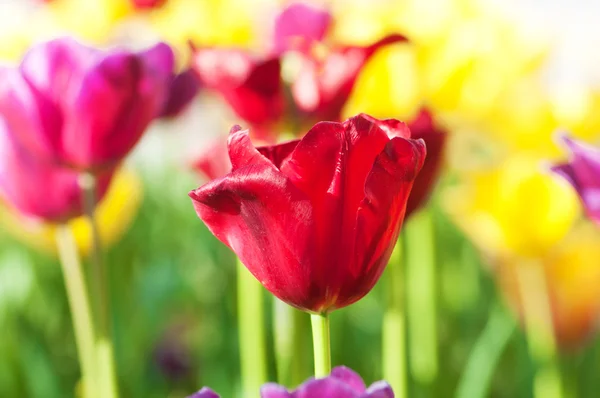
(502, 77)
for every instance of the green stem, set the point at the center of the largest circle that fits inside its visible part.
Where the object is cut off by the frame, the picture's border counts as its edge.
(251, 332)
(539, 330)
(421, 296)
(475, 380)
(107, 381)
(321, 344)
(79, 304)
(394, 326)
(289, 342)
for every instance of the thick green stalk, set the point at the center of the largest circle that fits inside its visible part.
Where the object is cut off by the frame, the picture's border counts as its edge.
(477, 376)
(539, 330)
(289, 342)
(79, 303)
(421, 296)
(321, 344)
(107, 380)
(251, 332)
(394, 326)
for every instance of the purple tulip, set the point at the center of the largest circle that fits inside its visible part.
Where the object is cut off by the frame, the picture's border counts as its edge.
(81, 107)
(205, 392)
(36, 188)
(583, 173)
(182, 90)
(342, 383)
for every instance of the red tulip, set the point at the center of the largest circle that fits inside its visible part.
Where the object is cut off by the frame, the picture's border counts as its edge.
(324, 84)
(251, 86)
(315, 220)
(81, 107)
(423, 126)
(35, 188)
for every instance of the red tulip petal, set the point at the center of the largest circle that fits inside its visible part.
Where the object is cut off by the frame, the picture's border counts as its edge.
(324, 86)
(241, 150)
(380, 215)
(277, 154)
(435, 138)
(314, 168)
(251, 87)
(392, 127)
(330, 165)
(268, 223)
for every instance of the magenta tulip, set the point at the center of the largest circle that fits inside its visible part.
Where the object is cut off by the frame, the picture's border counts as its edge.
(182, 90)
(83, 108)
(35, 188)
(583, 173)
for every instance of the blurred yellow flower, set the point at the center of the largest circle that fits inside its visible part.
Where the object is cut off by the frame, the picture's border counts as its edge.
(527, 115)
(388, 86)
(92, 20)
(115, 214)
(572, 277)
(207, 22)
(515, 208)
(464, 55)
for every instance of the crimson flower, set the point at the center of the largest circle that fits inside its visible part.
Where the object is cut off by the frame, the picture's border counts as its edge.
(583, 173)
(324, 83)
(35, 188)
(342, 382)
(81, 107)
(315, 220)
(424, 126)
(326, 73)
(250, 85)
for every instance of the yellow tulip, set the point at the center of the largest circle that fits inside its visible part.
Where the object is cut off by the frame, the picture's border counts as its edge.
(572, 277)
(515, 208)
(114, 214)
(392, 76)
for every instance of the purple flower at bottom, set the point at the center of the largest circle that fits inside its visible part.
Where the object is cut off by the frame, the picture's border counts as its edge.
(343, 382)
(205, 392)
(583, 173)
